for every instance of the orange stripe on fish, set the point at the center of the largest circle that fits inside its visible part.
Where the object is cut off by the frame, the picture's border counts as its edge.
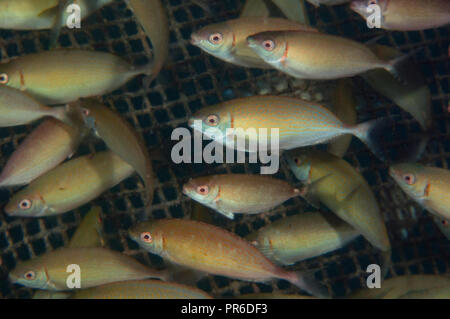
(22, 80)
(427, 190)
(285, 55)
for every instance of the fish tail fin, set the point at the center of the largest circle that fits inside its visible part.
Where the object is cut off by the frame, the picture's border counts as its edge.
(386, 262)
(397, 67)
(150, 70)
(307, 282)
(184, 275)
(57, 24)
(371, 133)
(378, 133)
(413, 150)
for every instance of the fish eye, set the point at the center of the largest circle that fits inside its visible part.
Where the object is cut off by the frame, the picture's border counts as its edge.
(269, 45)
(297, 161)
(203, 190)
(25, 204)
(85, 112)
(4, 78)
(212, 120)
(30, 275)
(444, 222)
(373, 2)
(216, 38)
(146, 237)
(409, 179)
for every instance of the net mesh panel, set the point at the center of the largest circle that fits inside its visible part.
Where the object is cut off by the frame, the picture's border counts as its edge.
(191, 80)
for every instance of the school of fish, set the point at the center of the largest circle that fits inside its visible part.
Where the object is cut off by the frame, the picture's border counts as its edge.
(62, 90)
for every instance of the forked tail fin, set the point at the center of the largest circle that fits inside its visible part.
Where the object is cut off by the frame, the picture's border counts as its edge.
(371, 133)
(307, 282)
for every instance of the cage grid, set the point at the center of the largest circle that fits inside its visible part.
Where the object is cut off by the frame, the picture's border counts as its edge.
(191, 80)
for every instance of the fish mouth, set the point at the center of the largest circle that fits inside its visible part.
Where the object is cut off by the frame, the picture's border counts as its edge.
(185, 190)
(392, 172)
(8, 210)
(356, 6)
(132, 235)
(12, 278)
(194, 39)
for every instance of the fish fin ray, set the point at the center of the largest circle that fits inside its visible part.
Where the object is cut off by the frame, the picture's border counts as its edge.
(309, 191)
(57, 24)
(305, 280)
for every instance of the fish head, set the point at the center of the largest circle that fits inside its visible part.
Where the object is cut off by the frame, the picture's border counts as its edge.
(364, 7)
(410, 178)
(26, 204)
(269, 46)
(30, 274)
(300, 164)
(88, 118)
(204, 190)
(86, 111)
(216, 39)
(10, 77)
(212, 121)
(148, 236)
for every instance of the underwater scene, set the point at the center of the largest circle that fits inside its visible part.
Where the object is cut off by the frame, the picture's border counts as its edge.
(251, 149)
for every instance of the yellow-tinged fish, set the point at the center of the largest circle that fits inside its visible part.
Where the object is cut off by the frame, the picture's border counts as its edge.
(228, 40)
(45, 148)
(316, 56)
(409, 286)
(65, 75)
(303, 236)
(229, 194)
(40, 14)
(273, 296)
(335, 183)
(300, 123)
(121, 138)
(344, 106)
(444, 225)
(18, 108)
(406, 15)
(153, 19)
(428, 186)
(97, 266)
(141, 289)
(89, 232)
(69, 185)
(432, 293)
(414, 96)
(213, 250)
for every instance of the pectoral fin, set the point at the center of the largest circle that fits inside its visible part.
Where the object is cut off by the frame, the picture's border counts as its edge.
(226, 214)
(309, 192)
(345, 191)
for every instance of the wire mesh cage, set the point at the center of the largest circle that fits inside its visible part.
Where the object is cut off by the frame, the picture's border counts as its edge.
(191, 80)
